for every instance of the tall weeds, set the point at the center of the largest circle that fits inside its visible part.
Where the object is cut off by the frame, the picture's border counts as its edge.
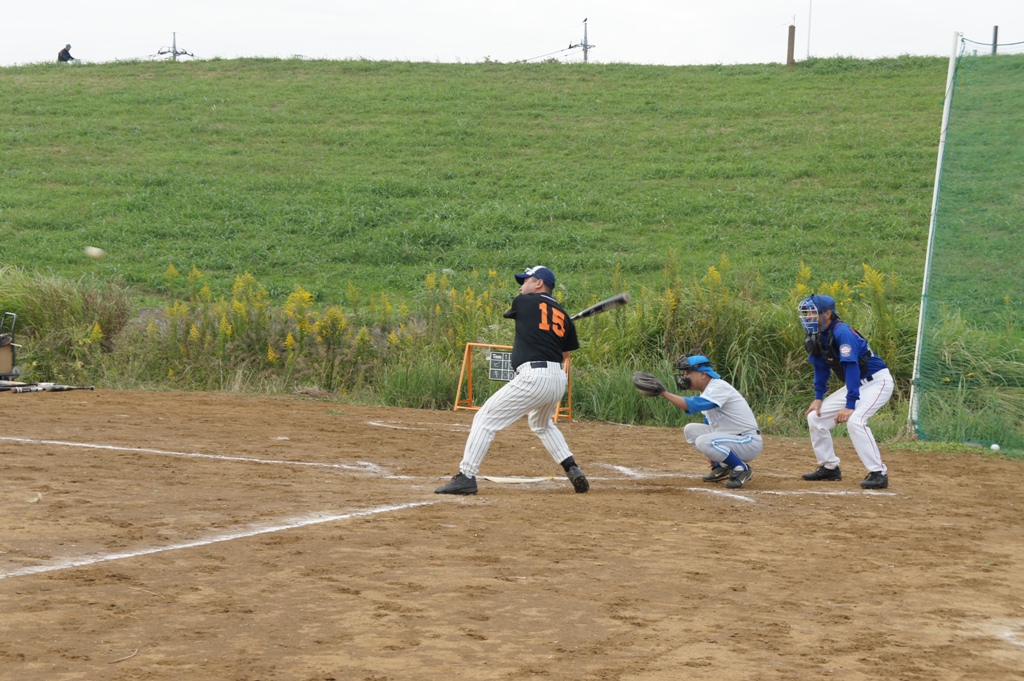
(411, 355)
(65, 326)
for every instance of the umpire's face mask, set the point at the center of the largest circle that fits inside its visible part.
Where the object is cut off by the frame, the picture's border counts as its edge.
(809, 318)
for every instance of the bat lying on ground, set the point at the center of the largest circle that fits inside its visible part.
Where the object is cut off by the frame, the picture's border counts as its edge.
(9, 386)
(43, 387)
(618, 300)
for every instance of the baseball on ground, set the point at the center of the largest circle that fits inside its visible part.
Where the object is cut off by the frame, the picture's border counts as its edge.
(995, 447)
(94, 253)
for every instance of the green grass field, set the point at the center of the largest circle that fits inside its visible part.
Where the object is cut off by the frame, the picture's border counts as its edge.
(368, 175)
(346, 227)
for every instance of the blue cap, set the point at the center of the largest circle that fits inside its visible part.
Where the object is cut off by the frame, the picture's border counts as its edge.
(818, 302)
(700, 363)
(538, 272)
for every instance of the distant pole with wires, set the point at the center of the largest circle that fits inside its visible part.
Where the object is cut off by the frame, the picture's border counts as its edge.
(173, 50)
(585, 45)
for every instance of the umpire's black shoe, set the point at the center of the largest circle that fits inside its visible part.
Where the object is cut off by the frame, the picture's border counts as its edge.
(875, 480)
(717, 474)
(578, 480)
(460, 484)
(824, 474)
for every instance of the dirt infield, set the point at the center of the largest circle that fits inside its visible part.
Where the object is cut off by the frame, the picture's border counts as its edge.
(210, 536)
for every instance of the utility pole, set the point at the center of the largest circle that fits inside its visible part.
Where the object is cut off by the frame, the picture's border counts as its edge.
(792, 43)
(173, 50)
(585, 45)
(995, 38)
(810, 6)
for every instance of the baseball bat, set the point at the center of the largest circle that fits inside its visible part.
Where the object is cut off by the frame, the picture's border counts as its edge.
(11, 387)
(618, 300)
(44, 387)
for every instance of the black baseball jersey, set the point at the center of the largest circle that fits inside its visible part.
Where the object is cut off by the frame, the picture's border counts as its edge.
(543, 329)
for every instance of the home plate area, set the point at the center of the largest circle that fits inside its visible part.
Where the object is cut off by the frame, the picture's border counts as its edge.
(219, 536)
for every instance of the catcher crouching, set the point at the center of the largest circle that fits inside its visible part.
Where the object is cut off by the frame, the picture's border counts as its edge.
(729, 436)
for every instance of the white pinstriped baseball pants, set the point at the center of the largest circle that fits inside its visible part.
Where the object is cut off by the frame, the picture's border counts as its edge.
(533, 392)
(873, 396)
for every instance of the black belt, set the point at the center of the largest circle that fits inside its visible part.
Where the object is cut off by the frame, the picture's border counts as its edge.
(868, 379)
(537, 365)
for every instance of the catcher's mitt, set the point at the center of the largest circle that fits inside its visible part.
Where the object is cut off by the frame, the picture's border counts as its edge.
(647, 384)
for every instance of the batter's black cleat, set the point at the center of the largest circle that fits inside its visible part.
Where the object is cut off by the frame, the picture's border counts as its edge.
(717, 474)
(460, 484)
(875, 480)
(738, 478)
(578, 480)
(824, 474)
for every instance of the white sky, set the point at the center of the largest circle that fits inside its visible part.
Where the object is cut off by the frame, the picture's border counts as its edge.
(635, 31)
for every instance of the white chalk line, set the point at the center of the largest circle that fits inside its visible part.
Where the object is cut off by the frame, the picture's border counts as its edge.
(361, 466)
(1014, 637)
(631, 473)
(731, 495)
(457, 427)
(388, 425)
(837, 493)
(515, 479)
(641, 475)
(290, 525)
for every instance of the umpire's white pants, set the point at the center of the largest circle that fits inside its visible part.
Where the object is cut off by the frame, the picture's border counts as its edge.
(533, 392)
(873, 396)
(717, 445)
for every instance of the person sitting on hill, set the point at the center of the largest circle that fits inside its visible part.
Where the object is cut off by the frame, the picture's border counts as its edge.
(64, 56)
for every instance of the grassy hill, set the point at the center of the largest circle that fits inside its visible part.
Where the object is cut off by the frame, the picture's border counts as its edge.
(347, 227)
(374, 174)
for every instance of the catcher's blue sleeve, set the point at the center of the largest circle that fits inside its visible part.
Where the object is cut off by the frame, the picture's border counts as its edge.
(698, 404)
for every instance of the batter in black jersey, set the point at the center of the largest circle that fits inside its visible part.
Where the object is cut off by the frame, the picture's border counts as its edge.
(544, 331)
(544, 338)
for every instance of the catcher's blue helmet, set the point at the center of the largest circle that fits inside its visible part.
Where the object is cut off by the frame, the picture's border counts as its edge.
(692, 363)
(815, 303)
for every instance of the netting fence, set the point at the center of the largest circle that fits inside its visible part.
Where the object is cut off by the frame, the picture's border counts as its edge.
(969, 366)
